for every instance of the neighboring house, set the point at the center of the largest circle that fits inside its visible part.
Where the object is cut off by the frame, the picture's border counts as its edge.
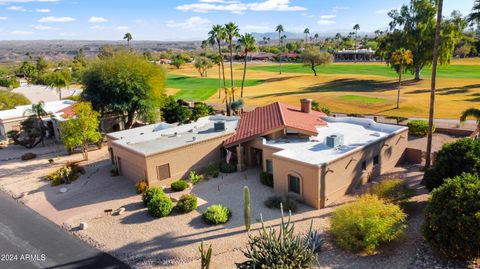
(162, 153)
(359, 55)
(11, 119)
(313, 158)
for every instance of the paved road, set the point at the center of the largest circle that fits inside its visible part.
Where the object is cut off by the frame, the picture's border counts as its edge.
(27, 240)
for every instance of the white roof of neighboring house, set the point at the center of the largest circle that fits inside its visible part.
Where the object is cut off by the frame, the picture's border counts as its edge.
(37, 93)
(156, 138)
(357, 132)
(22, 111)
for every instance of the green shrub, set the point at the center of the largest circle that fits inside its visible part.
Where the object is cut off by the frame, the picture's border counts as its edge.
(280, 249)
(228, 168)
(324, 109)
(160, 206)
(179, 185)
(366, 223)
(212, 170)
(150, 193)
(66, 174)
(216, 214)
(452, 160)
(275, 201)
(194, 177)
(187, 203)
(418, 127)
(141, 186)
(266, 179)
(392, 190)
(452, 217)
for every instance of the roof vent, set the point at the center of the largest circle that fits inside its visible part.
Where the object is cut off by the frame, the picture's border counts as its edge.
(335, 140)
(219, 126)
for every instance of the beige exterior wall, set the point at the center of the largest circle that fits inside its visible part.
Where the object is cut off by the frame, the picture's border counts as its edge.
(323, 185)
(7, 126)
(130, 164)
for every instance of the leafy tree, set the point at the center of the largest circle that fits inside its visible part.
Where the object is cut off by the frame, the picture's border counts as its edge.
(58, 80)
(29, 70)
(400, 60)
(313, 57)
(9, 100)
(201, 110)
(41, 65)
(32, 130)
(178, 62)
(173, 112)
(82, 129)
(202, 64)
(126, 84)
(128, 37)
(248, 43)
(413, 27)
(79, 64)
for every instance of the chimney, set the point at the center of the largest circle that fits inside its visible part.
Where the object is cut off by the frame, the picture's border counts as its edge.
(306, 105)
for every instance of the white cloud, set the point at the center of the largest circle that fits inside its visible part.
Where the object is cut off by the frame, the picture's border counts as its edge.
(325, 22)
(336, 9)
(18, 32)
(121, 28)
(3, 18)
(42, 27)
(239, 7)
(326, 17)
(17, 8)
(43, 10)
(310, 16)
(97, 19)
(193, 23)
(56, 19)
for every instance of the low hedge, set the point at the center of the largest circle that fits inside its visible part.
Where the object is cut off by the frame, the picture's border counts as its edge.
(363, 225)
(266, 179)
(418, 127)
(187, 203)
(392, 190)
(275, 201)
(179, 185)
(160, 206)
(227, 168)
(216, 214)
(150, 193)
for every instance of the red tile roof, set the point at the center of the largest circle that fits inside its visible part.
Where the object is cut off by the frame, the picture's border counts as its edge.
(67, 112)
(264, 120)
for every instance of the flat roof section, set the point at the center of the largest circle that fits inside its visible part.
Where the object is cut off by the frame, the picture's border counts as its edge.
(357, 133)
(21, 111)
(175, 137)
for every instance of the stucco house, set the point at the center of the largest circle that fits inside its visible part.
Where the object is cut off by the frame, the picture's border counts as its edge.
(312, 157)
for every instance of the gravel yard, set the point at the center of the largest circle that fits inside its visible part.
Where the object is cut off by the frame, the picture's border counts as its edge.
(173, 241)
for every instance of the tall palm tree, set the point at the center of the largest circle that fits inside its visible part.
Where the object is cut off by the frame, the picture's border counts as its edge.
(128, 37)
(280, 30)
(316, 36)
(264, 40)
(356, 27)
(248, 43)
(434, 77)
(306, 32)
(474, 113)
(216, 36)
(204, 46)
(232, 31)
(474, 17)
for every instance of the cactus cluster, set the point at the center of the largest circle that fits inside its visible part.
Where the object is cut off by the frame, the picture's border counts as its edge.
(206, 256)
(282, 249)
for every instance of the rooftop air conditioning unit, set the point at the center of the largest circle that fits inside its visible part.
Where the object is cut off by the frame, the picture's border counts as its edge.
(335, 140)
(219, 126)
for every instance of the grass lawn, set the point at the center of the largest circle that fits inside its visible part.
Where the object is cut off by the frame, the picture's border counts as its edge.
(452, 71)
(362, 99)
(199, 89)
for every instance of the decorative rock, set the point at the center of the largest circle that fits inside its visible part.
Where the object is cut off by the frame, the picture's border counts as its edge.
(83, 226)
(121, 210)
(63, 190)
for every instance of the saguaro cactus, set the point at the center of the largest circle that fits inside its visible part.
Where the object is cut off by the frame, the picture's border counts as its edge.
(246, 207)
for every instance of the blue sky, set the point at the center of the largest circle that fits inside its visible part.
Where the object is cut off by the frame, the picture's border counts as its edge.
(189, 19)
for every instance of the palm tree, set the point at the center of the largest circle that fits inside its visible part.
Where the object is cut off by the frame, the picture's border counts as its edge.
(204, 46)
(58, 81)
(248, 43)
(306, 32)
(356, 27)
(264, 40)
(474, 113)
(400, 60)
(434, 77)
(316, 36)
(128, 37)
(216, 36)
(232, 31)
(280, 30)
(474, 17)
